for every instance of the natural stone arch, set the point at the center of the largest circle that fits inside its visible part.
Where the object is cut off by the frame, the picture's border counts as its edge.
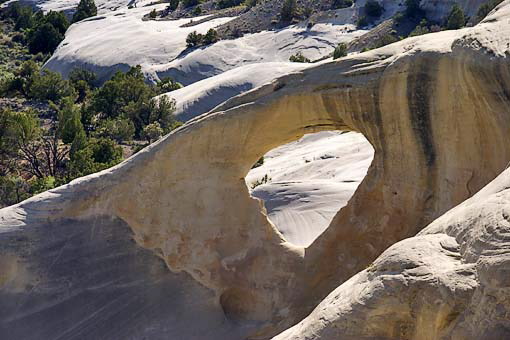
(186, 200)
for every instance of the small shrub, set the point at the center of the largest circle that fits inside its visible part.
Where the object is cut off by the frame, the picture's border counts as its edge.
(194, 39)
(49, 86)
(340, 51)
(420, 29)
(39, 185)
(69, 120)
(387, 39)
(299, 58)
(120, 129)
(210, 37)
(152, 132)
(85, 9)
(167, 85)
(87, 76)
(93, 155)
(105, 151)
(261, 181)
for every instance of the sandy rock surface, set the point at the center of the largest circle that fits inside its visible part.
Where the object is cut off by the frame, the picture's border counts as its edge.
(310, 180)
(451, 281)
(120, 39)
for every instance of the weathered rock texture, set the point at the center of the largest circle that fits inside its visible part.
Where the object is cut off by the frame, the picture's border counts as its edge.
(451, 281)
(436, 110)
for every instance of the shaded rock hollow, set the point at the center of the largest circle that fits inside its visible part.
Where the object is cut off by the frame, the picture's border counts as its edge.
(435, 109)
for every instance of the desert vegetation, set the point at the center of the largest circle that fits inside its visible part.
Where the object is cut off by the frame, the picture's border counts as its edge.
(41, 33)
(53, 130)
(195, 39)
(340, 51)
(85, 9)
(299, 58)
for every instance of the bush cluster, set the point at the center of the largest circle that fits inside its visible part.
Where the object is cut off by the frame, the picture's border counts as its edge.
(42, 32)
(299, 58)
(195, 39)
(340, 51)
(85, 9)
(83, 134)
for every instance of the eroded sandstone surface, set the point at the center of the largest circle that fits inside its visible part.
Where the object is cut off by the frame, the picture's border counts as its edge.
(451, 281)
(436, 110)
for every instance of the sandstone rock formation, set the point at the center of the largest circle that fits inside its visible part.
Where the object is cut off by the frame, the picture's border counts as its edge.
(435, 109)
(204, 95)
(160, 46)
(451, 281)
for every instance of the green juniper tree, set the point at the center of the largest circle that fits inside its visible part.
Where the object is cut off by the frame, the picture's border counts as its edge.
(456, 18)
(85, 9)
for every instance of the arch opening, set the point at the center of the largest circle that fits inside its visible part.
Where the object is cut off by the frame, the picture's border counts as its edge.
(303, 184)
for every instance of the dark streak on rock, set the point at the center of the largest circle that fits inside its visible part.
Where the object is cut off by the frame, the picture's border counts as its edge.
(418, 94)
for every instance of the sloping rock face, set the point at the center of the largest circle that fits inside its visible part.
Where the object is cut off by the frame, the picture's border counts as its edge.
(204, 95)
(87, 279)
(435, 109)
(451, 281)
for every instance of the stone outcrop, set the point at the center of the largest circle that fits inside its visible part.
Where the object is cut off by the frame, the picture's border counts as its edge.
(451, 281)
(436, 110)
